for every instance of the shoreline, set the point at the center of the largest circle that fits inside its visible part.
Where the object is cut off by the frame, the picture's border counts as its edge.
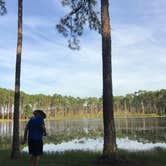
(94, 116)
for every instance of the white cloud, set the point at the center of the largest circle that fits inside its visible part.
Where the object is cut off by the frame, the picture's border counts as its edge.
(63, 9)
(64, 81)
(9, 19)
(48, 66)
(126, 35)
(36, 22)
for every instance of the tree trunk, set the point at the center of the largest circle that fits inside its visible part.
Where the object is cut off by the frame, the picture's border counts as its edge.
(15, 144)
(108, 115)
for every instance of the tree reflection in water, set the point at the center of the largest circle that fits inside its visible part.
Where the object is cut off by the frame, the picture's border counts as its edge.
(140, 129)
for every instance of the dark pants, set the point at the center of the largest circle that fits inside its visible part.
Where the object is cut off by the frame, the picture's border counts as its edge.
(35, 147)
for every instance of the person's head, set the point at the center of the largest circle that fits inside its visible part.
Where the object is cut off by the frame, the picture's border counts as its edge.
(40, 113)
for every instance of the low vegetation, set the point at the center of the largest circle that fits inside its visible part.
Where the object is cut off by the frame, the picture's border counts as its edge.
(79, 158)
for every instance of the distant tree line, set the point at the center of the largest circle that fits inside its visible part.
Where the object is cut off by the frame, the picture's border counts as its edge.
(145, 102)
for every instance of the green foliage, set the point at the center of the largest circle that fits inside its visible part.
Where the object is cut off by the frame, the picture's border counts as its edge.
(139, 103)
(72, 25)
(3, 9)
(28, 112)
(146, 102)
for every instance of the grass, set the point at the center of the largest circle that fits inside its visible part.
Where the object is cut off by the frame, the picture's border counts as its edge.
(80, 158)
(75, 158)
(155, 157)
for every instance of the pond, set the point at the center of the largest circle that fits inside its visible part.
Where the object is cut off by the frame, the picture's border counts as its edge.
(132, 133)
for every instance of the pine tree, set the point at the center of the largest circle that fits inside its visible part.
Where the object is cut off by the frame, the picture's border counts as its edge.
(72, 26)
(16, 143)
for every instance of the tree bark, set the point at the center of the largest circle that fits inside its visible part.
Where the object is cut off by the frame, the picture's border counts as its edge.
(108, 114)
(16, 144)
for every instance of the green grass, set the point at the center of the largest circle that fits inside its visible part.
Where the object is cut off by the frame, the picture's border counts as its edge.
(75, 158)
(80, 158)
(156, 157)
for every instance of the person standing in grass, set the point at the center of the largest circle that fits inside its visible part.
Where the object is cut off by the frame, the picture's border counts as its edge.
(35, 129)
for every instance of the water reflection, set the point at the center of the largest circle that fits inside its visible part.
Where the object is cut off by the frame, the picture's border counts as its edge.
(141, 129)
(85, 125)
(97, 145)
(6, 129)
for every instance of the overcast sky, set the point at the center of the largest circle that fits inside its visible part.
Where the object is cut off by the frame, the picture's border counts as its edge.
(49, 66)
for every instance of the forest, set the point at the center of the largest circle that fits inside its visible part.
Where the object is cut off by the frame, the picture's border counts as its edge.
(141, 102)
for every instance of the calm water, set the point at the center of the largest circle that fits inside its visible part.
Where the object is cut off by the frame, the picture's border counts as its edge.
(139, 129)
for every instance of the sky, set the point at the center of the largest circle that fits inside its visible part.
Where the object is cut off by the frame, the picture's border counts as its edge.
(49, 66)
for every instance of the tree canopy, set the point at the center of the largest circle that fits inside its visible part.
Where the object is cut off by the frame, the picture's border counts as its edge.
(72, 25)
(3, 9)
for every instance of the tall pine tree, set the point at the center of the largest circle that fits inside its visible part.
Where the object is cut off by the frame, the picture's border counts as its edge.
(16, 143)
(72, 26)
